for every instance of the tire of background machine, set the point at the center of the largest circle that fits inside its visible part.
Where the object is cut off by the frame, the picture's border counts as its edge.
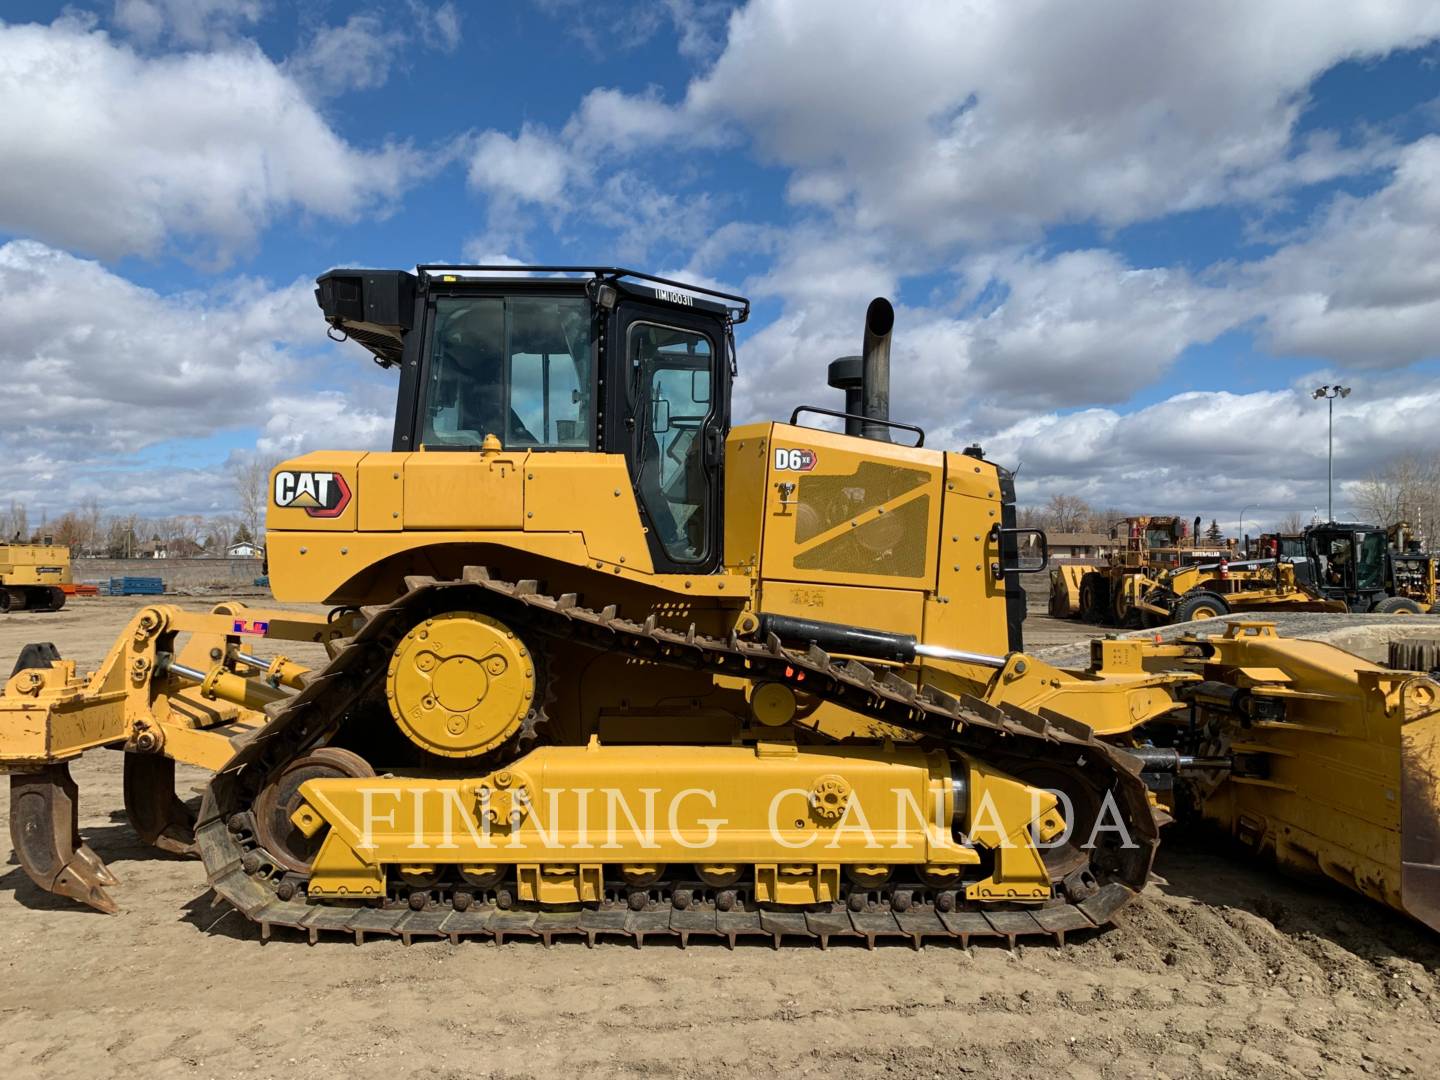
(1414, 654)
(1398, 605)
(4, 600)
(1194, 602)
(1094, 598)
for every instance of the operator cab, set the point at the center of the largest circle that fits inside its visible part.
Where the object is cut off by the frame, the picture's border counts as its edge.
(1348, 561)
(568, 359)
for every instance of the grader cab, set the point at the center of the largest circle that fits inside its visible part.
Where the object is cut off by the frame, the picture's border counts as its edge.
(600, 664)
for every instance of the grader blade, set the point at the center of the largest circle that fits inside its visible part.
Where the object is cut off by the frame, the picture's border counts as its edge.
(44, 830)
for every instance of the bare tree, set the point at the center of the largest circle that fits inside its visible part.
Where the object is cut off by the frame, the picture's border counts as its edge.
(69, 530)
(1407, 489)
(16, 523)
(1292, 523)
(220, 533)
(251, 478)
(1070, 513)
(89, 515)
(121, 541)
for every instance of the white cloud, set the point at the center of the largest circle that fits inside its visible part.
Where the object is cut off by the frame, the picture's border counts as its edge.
(440, 26)
(947, 123)
(356, 55)
(324, 420)
(113, 153)
(1214, 452)
(1078, 328)
(101, 372)
(612, 122)
(610, 28)
(1362, 286)
(88, 353)
(532, 166)
(948, 137)
(187, 22)
(362, 52)
(1358, 286)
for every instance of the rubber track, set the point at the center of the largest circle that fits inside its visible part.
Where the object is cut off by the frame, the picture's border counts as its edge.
(965, 724)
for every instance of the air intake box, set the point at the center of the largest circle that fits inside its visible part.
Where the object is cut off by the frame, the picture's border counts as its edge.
(374, 307)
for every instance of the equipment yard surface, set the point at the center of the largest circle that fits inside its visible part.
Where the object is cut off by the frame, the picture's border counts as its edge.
(1221, 969)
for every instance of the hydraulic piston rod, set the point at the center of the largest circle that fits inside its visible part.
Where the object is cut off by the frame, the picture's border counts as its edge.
(860, 641)
(278, 672)
(225, 685)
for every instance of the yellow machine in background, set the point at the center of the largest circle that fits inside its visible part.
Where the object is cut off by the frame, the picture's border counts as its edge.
(601, 664)
(33, 576)
(1161, 574)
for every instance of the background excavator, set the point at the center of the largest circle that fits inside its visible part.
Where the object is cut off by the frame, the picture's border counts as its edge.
(601, 664)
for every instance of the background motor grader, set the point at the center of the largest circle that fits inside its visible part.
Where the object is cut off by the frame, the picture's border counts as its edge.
(598, 663)
(1161, 574)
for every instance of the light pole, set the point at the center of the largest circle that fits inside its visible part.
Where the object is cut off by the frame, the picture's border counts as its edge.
(1241, 527)
(1330, 393)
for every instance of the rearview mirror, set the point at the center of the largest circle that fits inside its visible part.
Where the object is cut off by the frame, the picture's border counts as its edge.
(660, 416)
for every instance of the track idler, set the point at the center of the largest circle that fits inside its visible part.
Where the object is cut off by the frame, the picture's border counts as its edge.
(45, 832)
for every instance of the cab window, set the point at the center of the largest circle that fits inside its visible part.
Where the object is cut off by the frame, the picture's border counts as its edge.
(673, 367)
(517, 368)
(1370, 570)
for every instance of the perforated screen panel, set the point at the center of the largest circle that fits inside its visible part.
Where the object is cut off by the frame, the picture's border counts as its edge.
(826, 501)
(893, 544)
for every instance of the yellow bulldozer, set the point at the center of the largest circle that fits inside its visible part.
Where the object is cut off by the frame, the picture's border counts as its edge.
(601, 665)
(33, 576)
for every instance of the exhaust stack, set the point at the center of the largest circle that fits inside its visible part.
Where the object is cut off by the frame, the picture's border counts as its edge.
(875, 369)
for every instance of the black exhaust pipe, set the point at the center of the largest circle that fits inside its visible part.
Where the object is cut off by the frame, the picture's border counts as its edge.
(875, 369)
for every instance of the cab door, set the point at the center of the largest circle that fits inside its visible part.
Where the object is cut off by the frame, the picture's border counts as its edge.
(1370, 561)
(676, 374)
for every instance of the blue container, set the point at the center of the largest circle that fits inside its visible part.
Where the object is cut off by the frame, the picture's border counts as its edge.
(137, 586)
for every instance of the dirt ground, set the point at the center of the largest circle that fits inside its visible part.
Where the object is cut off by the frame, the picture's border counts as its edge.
(1222, 969)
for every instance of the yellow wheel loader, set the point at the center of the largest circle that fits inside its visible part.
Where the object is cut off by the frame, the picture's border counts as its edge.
(602, 665)
(33, 576)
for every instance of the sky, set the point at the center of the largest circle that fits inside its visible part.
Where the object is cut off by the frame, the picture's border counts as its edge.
(1125, 240)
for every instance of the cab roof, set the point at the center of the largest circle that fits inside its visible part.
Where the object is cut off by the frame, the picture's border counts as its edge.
(636, 282)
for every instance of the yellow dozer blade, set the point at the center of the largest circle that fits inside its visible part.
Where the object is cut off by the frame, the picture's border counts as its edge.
(1334, 763)
(1420, 812)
